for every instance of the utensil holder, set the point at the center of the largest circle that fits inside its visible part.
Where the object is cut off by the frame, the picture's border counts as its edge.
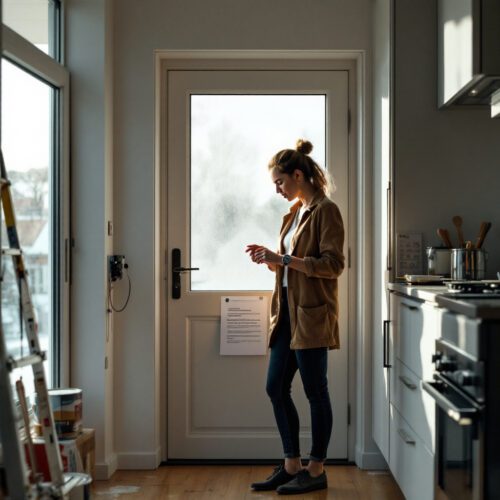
(468, 263)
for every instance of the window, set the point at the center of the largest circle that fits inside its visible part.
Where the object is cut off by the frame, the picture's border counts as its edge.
(26, 146)
(233, 137)
(34, 140)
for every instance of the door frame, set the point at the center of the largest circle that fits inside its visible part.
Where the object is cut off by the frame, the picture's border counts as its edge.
(359, 362)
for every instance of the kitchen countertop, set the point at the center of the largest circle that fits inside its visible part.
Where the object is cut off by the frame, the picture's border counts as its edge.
(481, 308)
(426, 293)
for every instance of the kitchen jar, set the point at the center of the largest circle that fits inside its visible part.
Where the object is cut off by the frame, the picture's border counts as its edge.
(468, 263)
(438, 261)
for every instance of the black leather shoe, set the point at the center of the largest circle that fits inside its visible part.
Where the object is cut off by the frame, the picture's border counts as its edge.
(277, 478)
(302, 483)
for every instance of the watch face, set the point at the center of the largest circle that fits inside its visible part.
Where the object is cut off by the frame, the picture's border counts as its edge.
(286, 259)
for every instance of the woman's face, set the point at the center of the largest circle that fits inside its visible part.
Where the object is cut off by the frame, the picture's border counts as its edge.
(287, 185)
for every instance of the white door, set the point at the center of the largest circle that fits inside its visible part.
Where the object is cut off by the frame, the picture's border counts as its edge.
(223, 127)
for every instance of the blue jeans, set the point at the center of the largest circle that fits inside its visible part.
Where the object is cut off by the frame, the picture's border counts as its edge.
(312, 365)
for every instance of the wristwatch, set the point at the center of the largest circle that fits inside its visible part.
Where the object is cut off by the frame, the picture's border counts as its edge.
(286, 259)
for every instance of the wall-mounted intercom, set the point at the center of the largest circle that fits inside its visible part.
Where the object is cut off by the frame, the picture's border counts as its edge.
(116, 265)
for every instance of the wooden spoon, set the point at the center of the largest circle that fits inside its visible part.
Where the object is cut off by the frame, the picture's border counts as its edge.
(483, 231)
(457, 222)
(445, 237)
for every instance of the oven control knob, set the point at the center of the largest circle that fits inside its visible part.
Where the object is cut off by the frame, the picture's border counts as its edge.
(437, 356)
(445, 364)
(466, 378)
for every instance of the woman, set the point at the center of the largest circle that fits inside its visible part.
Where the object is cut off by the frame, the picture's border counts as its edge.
(304, 311)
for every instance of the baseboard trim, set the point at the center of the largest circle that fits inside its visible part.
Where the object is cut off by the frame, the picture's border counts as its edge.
(104, 470)
(140, 461)
(371, 460)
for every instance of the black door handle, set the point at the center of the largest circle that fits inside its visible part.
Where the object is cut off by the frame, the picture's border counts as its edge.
(184, 269)
(386, 342)
(177, 269)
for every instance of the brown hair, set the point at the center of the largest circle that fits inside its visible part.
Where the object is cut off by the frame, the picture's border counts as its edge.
(289, 160)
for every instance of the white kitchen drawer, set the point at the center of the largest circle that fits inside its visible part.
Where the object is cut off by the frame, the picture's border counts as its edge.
(411, 464)
(417, 332)
(413, 403)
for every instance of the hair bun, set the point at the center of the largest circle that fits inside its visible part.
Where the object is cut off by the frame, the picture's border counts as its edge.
(303, 146)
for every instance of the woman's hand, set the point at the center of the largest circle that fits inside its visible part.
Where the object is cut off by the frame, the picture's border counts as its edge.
(262, 255)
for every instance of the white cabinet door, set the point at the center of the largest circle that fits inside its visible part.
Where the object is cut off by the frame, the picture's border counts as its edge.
(418, 332)
(411, 462)
(415, 405)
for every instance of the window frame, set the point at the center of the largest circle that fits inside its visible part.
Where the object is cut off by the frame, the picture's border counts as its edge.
(29, 58)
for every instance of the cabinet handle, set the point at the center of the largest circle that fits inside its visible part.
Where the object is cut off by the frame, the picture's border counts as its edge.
(406, 437)
(406, 381)
(386, 344)
(411, 308)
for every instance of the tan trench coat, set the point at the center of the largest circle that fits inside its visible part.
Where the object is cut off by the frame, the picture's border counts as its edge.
(312, 296)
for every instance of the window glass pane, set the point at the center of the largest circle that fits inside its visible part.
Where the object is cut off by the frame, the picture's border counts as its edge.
(26, 146)
(233, 200)
(33, 20)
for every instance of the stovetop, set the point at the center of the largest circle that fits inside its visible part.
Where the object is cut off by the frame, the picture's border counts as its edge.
(474, 289)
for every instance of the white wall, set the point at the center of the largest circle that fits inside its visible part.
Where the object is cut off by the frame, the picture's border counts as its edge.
(447, 162)
(140, 28)
(88, 55)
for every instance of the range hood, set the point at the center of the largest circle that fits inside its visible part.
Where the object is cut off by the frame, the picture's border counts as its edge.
(468, 51)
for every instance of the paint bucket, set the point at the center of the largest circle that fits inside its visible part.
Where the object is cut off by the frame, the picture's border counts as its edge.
(67, 409)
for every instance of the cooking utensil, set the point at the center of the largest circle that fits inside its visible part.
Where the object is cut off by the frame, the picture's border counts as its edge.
(483, 231)
(457, 222)
(445, 237)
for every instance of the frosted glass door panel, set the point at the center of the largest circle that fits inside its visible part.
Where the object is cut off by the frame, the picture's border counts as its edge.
(233, 201)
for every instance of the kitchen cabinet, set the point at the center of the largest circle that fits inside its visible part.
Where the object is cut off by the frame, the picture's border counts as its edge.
(414, 329)
(406, 436)
(411, 463)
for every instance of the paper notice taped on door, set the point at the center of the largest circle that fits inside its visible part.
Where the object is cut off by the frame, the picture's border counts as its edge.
(243, 326)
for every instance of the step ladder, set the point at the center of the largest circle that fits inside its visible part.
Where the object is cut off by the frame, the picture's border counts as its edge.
(18, 476)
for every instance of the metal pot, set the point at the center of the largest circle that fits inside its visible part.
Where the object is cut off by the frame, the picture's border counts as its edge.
(438, 261)
(468, 263)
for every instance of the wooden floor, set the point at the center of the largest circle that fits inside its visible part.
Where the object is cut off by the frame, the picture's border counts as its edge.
(233, 482)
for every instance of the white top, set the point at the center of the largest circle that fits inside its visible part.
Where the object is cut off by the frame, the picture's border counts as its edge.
(288, 238)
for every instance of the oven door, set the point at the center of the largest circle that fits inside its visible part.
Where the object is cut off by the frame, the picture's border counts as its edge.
(459, 444)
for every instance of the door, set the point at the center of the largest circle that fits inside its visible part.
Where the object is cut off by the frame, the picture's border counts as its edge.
(223, 127)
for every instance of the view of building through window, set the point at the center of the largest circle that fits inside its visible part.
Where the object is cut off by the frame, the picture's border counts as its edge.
(26, 146)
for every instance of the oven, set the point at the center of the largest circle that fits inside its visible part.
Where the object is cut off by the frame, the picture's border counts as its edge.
(466, 390)
(459, 443)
